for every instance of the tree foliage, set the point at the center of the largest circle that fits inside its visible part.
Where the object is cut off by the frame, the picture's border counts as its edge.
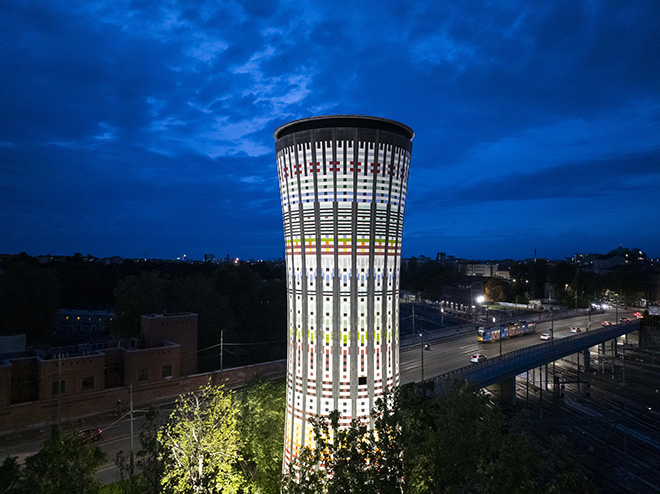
(143, 474)
(29, 297)
(261, 408)
(461, 443)
(65, 463)
(365, 457)
(415, 445)
(494, 290)
(201, 444)
(10, 474)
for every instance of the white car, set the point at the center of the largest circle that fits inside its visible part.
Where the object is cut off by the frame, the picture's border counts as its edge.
(575, 329)
(546, 336)
(477, 357)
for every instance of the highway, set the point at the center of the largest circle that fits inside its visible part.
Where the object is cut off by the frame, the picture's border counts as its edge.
(446, 356)
(115, 438)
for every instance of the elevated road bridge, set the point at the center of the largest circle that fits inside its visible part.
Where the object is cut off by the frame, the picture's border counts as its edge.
(509, 365)
(450, 360)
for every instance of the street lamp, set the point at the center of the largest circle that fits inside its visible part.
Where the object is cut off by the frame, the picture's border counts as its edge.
(500, 337)
(616, 303)
(421, 334)
(422, 351)
(552, 325)
(552, 336)
(480, 300)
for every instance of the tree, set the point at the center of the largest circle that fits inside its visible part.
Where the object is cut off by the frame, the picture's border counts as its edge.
(65, 463)
(461, 443)
(201, 444)
(361, 458)
(416, 445)
(29, 297)
(144, 475)
(494, 291)
(10, 474)
(261, 409)
(138, 295)
(149, 461)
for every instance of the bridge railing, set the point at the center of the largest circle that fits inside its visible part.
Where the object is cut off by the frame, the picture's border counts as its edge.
(408, 342)
(518, 361)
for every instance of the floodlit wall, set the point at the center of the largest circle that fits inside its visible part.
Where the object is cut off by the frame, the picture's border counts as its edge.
(343, 184)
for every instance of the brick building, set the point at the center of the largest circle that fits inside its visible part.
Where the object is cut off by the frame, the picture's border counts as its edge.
(166, 350)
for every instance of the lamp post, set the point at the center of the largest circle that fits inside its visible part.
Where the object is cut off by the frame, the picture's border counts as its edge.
(552, 325)
(480, 300)
(552, 335)
(421, 343)
(616, 305)
(422, 351)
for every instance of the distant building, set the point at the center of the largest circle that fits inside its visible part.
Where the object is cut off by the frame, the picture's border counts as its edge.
(167, 350)
(180, 328)
(12, 343)
(484, 270)
(83, 324)
(503, 274)
(462, 294)
(605, 264)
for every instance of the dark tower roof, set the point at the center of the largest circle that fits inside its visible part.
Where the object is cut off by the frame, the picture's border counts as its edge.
(354, 121)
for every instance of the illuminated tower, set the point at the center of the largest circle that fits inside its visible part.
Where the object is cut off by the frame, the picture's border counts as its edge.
(343, 183)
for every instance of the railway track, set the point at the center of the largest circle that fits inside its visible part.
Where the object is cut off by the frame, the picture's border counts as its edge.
(615, 429)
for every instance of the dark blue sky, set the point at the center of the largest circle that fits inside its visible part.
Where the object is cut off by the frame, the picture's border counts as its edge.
(132, 127)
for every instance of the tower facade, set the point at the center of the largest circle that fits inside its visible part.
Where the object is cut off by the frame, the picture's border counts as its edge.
(343, 183)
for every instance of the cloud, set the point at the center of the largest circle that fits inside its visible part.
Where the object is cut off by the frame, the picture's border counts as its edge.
(156, 118)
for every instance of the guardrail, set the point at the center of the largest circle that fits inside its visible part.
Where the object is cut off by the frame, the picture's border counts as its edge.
(514, 363)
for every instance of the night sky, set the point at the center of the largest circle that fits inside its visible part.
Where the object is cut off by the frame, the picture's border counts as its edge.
(146, 127)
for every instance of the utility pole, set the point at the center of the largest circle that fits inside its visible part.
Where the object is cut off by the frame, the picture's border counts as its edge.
(552, 331)
(541, 389)
(613, 356)
(222, 338)
(130, 390)
(500, 341)
(616, 302)
(552, 325)
(422, 346)
(421, 334)
(59, 388)
(623, 358)
(578, 371)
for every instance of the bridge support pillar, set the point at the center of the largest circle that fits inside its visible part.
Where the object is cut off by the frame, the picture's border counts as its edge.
(586, 357)
(505, 390)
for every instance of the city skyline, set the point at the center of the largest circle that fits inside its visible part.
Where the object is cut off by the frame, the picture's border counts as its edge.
(130, 129)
